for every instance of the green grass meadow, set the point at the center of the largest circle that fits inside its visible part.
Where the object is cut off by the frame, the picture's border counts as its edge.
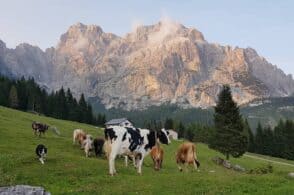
(68, 171)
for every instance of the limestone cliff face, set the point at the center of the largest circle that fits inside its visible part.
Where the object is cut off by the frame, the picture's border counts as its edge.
(155, 64)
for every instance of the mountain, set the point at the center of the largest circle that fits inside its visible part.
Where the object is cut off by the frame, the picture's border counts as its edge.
(152, 65)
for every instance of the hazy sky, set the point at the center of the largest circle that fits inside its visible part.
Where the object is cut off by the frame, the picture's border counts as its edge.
(265, 25)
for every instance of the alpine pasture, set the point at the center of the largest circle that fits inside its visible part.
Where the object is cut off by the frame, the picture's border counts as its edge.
(68, 171)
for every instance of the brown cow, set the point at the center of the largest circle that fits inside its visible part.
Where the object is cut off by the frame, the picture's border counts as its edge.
(39, 128)
(79, 135)
(186, 154)
(157, 156)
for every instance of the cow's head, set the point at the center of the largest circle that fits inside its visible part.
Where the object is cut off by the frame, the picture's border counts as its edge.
(163, 137)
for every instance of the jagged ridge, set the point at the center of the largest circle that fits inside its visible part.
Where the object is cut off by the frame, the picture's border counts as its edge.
(161, 63)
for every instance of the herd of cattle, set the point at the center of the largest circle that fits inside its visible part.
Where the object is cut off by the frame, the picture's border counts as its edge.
(131, 143)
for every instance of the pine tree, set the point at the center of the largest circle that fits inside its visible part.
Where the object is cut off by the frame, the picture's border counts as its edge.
(259, 141)
(229, 137)
(13, 98)
(251, 143)
(288, 153)
(181, 130)
(190, 134)
(268, 139)
(169, 123)
(82, 109)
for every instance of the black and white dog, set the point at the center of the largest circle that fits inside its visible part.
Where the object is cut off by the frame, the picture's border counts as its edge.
(41, 152)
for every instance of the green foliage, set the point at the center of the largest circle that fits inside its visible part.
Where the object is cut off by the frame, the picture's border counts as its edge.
(13, 97)
(169, 123)
(277, 142)
(229, 136)
(262, 170)
(160, 113)
(251, 141)
(27, 95)
(181, 130)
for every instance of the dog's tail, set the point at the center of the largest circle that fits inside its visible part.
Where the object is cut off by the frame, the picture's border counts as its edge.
(55, 130)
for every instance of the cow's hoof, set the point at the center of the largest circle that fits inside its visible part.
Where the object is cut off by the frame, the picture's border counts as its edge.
(181, 170)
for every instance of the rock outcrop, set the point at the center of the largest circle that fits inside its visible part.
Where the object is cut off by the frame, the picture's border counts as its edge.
(23, 190)
(161, 63)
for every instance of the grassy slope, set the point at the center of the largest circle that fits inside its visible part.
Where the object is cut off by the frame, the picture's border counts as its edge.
(67, 171)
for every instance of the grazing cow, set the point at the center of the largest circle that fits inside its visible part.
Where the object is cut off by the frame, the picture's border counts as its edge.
(186, 154)
(79, 136)
(131, 141)
(88, 144)
(98, 146)
(172, 134)
(39, 128)
(157, 156)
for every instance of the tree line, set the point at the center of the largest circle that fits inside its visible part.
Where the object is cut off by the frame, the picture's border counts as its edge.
(232, 135)
(277, 142)
(27, 95)
(195, 132)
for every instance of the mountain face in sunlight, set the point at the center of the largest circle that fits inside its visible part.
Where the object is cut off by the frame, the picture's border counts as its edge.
(162, 63)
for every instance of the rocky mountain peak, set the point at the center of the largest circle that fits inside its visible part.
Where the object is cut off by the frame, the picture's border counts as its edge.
(164, 31)
(154, 64)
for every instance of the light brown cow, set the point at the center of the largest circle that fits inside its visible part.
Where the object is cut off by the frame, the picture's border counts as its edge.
(157, 156)
(186, 155)
(79, 136)
(88, 144)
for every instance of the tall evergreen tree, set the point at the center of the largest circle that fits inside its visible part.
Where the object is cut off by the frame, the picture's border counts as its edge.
(288, 153)
(229, 137)
(169, 123)
(189, 134)
(13, 98)
(268, 139)
(181, 130)
(251, 143)
(259, 141)
(82, 108)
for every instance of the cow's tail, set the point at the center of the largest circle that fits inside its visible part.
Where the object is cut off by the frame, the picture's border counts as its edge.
(107, 148)
(107, 143)
(195, 156)
(55, 130)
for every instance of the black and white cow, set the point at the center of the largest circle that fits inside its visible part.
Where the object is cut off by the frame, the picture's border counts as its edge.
(131, 141)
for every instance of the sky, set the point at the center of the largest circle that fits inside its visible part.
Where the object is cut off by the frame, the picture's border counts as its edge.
(265, 25)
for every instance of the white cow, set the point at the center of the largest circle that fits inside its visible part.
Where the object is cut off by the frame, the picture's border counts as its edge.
(131, 141)
(172, 134)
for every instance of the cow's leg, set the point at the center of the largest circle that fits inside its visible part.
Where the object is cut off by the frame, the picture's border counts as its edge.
(134, 161)
(126, 160)
(140, 162)
(154, 163)
(82, 145)
(195, 165)
(179, 166)
(87, 153)
(112, 170)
